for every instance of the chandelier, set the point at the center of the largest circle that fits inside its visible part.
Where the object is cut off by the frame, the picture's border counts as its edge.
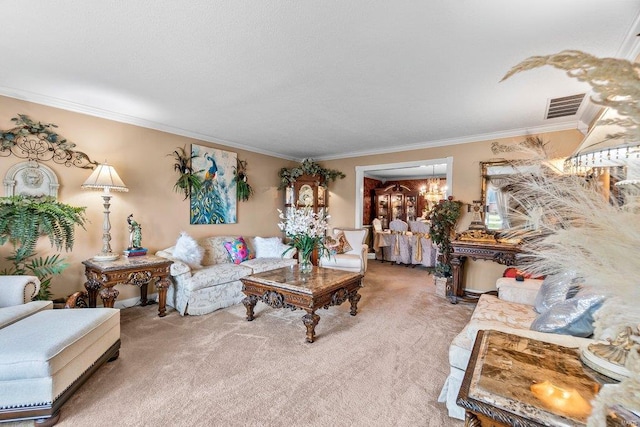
(432, 190)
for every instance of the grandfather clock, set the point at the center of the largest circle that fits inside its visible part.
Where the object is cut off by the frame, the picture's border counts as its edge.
(307, 190)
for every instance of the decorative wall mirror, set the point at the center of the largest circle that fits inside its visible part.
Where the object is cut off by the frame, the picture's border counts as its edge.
(499, 205)
(495, 201)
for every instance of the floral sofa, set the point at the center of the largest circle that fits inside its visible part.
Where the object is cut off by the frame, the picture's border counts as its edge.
(514, 311)
(211, 280)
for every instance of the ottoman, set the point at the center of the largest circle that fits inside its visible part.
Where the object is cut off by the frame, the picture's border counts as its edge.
(45, 357)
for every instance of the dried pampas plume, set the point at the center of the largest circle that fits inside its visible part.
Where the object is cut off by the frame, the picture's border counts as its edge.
(566, 224)
(615, 83)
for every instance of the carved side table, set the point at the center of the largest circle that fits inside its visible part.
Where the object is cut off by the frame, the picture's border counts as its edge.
(138, 271)
(501, 253)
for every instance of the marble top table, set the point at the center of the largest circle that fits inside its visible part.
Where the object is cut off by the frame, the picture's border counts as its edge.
(288, 287)
(502, 384)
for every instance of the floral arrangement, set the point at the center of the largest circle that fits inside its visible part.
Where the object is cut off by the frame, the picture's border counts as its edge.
(305, 230)
(308, 167)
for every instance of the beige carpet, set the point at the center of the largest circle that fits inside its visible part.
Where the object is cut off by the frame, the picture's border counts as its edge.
(383, 367)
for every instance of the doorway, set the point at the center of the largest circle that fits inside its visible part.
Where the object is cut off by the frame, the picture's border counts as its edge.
(416, 169)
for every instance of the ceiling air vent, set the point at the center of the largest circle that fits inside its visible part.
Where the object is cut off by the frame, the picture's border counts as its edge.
(565, 106)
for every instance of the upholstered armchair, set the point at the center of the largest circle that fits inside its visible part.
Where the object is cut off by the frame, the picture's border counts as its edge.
(399, 251)
(354, 259)
(423, 251)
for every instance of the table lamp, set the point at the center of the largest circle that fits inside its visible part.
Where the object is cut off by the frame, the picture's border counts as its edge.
(105, 178)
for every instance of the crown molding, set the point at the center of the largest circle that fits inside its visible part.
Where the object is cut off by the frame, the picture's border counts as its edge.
(123, 118)
(523, 132)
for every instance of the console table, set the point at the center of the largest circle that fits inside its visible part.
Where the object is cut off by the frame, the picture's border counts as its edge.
(139, 271)
(502, 253)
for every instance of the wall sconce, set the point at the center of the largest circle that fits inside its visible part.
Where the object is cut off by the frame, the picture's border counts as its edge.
(105, 178)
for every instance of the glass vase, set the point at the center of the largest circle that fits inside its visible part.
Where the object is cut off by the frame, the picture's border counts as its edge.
(305, 262)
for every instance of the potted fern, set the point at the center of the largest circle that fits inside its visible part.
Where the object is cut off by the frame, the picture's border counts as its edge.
(188, 180)
(23, 220)
(243, 189)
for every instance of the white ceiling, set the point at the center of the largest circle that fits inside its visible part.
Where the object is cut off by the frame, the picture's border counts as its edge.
(310, 78)
(414, 172)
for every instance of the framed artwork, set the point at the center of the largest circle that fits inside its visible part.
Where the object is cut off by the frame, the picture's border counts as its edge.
(216, 201)
(31, 179)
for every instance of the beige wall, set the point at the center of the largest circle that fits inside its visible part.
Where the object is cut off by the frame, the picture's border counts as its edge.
(141, 158)
(480, 275)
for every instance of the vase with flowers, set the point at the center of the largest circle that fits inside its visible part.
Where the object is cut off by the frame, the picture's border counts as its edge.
(305, 231)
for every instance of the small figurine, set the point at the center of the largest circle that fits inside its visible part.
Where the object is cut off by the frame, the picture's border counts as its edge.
(135, 233)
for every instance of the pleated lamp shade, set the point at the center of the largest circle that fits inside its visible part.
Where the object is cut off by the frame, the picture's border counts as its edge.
(104, 177)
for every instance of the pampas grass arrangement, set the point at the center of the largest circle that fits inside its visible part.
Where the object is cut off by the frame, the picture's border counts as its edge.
(567, 224)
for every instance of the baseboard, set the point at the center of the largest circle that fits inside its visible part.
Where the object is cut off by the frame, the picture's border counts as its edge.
(130, 302)
(371, 255)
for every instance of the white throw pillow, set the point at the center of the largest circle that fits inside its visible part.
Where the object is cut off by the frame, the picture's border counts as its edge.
(188, 251)
(269, 247)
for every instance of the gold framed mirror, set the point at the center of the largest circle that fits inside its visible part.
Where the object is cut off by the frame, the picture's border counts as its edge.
(496, 202)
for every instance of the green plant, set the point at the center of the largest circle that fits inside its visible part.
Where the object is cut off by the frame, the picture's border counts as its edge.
(243, 189)
(188, 181)
(444, 216)
(289, 175)
(23, 220)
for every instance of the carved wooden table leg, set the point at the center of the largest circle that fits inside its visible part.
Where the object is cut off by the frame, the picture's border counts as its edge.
(249, 303)
(141, 279)
(92, 285)
(162, 285)
(310, 320)
(471, 420)
(354, 297)
(109, 296)
(143, 295)
(457, 269)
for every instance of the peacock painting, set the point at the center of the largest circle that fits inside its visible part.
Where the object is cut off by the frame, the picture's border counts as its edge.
(215, 202)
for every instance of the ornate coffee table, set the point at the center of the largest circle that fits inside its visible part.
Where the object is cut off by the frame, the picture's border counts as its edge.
(289, 288)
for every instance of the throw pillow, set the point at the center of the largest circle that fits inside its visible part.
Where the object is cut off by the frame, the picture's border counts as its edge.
(269, 247)
(238, 250)
(573, 316)
(554, 289)
(188, 251)
(343, 244)
(513, 273)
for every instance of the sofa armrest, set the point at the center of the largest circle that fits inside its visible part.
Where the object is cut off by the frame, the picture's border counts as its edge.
(16, 290)
(509, 289)
(178, 267)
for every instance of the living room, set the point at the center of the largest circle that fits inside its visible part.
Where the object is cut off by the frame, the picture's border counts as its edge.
(139, 145)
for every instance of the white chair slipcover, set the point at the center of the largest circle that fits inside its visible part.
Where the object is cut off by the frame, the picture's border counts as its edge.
(399, 251)
(423, 251)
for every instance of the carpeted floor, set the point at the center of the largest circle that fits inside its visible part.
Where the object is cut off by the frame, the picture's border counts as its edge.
(383, 367)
